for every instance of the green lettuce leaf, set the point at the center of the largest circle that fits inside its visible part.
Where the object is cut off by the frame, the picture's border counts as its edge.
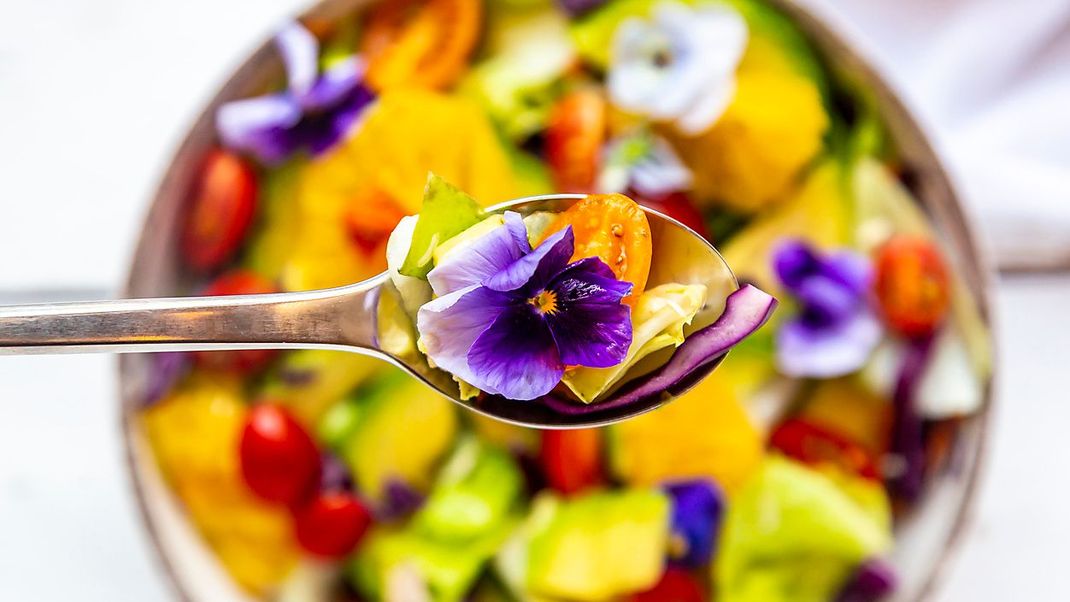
(795, 533)
(447, 211)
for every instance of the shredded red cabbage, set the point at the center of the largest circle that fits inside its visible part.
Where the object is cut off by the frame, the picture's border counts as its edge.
(746, 310)
(908, 439)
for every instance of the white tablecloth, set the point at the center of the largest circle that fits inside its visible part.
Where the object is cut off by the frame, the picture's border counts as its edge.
(95, 93)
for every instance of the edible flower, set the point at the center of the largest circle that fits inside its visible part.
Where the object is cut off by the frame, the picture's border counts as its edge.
(314, 112)
(508, 319)
(643, 162)
(835, 329)
(678, 66)
(696, 516)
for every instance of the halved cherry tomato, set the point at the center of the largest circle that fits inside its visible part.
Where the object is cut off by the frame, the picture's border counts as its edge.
(371, 218)
(331, 525)
(221, 210)
(676, 585)
(813, 444)
(574, 138)
(678, 206)
(913, 286)
(613, 228)
(245, 361)
(279, 461)
(572, 459)
(420, 43)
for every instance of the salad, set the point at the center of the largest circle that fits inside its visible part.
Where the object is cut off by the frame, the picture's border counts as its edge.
(552, 302)
(323, 475)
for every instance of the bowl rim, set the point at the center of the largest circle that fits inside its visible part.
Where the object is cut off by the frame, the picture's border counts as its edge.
(833, 39)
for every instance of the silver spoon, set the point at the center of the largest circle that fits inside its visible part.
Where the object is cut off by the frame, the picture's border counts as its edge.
(346, 318)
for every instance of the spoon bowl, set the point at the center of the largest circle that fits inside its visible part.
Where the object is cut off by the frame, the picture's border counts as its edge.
(361, 318)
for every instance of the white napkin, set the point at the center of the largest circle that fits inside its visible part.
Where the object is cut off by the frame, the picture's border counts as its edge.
(991, 80)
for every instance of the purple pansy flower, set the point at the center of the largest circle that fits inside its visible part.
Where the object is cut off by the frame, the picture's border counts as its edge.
(835, 329)
(314, 112)
(508, 319)
(697, 507)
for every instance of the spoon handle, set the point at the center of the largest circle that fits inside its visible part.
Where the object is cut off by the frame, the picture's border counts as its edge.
(324, 318)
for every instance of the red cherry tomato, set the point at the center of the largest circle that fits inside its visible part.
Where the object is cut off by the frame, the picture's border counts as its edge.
(332, 524)
(574, 138)
(678, 206)
(245, 361)
(912, 284)
(813, 444)
(279, 461)
(676, 585)
(572, 459)
(220, 212)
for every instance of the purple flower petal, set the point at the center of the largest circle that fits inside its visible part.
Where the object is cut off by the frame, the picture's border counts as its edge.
(449, 326)
(300, 55)
(482, 259)
(825, 301)
(260, 126)
(333, 86)
(334, 473)
(517, 230)
(851, 270)
(516, 357)
(535, 270)
(591, 326)
(793, 262)
(319, 132)
(696, 516)
(399, 501)
(826, 352)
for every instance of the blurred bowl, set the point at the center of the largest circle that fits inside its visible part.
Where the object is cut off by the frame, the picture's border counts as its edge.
(925, 539)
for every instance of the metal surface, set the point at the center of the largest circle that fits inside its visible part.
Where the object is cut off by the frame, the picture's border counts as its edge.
(344, 318)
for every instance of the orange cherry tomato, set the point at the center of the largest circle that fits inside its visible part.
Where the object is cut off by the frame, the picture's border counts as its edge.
(912, 285)
(371, 218)
(221, 210)
(331, 525)
(420, 43)
(244, 361)
(572, 459)
(813, 444)
(279, 461)
(613, 228)
(574, 138)
(676, 585)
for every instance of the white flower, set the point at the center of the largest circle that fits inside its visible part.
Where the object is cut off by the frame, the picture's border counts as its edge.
(678, 66)
(643, 162)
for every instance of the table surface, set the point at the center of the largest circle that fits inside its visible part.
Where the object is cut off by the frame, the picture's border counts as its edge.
(129, 76)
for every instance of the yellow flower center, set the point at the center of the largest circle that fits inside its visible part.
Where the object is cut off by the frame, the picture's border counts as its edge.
(545, 302)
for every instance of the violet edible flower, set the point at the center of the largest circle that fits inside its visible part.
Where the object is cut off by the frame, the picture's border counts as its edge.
(835, 329)
(697, 509)
(314, 113)
(508, 319)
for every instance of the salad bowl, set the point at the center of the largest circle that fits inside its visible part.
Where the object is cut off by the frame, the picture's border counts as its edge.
(928, 522)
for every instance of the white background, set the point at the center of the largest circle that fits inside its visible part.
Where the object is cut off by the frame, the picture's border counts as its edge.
(94, 94)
